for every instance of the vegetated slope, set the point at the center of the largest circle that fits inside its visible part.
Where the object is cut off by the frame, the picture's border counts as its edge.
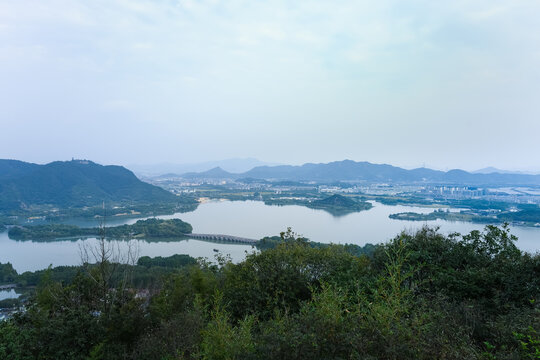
(335, 200)
(72, 184)
(10, 169)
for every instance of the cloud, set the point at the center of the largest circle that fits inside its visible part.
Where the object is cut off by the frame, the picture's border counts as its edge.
(276, 67)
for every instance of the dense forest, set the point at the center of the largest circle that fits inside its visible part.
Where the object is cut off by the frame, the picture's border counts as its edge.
(76, 183)
(420, 296)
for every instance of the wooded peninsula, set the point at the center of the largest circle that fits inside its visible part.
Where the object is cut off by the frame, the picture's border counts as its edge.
(143, 229)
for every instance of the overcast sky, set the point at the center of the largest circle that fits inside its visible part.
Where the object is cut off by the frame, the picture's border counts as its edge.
(445, 83)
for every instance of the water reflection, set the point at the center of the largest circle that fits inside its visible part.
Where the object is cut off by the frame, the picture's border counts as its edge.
(251, 219)
(8, 294)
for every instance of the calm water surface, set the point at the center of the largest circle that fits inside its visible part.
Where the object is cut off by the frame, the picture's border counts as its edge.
(250, 219)
(8, 294)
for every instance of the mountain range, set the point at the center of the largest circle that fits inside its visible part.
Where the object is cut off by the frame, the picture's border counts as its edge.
(348, 170)
(73, 183)
(491, 170)
(234, 165)
(80, 183)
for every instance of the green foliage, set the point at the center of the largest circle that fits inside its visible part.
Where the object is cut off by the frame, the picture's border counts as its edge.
(174, 261)
(529, 343)
(74, 184)
(449, 216)
(336, 204)
(324, 328)
(388, 324)
(146, 229)
(271, 242)
(49, 232)
(419, 296)
(8, 275)
(12, 341)
(130, 209)
(528, 215)
(59, 274)
(480, 266)
(281, 278)
(151, 228)
(9, 303)
(147, 273)
(178, 337)
(223, 341)
(5, 221)
(180, 291)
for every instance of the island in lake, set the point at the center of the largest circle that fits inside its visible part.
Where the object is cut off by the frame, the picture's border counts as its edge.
(335, 204)
(525, 217)
(142, 229)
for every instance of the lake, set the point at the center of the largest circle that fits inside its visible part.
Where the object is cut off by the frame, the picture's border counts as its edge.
(8, 294)
(251, 219)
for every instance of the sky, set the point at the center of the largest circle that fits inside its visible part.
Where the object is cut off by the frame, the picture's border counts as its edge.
(445, 84)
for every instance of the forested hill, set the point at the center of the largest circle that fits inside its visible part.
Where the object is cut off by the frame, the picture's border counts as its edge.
(348, 170)
(11, 169)
(74, 183)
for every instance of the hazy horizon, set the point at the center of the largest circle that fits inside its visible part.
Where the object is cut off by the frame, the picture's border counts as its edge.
(445, 85)
(154, 167)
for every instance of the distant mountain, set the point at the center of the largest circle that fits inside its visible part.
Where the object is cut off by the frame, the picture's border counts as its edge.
(348, 170)
(491, 170)
(74, 183)
(215, 173)
(231, 165)
(341, 170)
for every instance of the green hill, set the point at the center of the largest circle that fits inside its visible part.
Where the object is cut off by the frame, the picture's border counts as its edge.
(10, 169)
(335, 200)
(76, 183)
(340, 204)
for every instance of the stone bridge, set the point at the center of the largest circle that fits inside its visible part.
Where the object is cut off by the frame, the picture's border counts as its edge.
(222, 238)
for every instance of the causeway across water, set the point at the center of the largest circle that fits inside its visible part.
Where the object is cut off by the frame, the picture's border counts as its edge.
(224, 238)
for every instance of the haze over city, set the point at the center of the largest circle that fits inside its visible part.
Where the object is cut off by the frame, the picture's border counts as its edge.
(448, 85)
